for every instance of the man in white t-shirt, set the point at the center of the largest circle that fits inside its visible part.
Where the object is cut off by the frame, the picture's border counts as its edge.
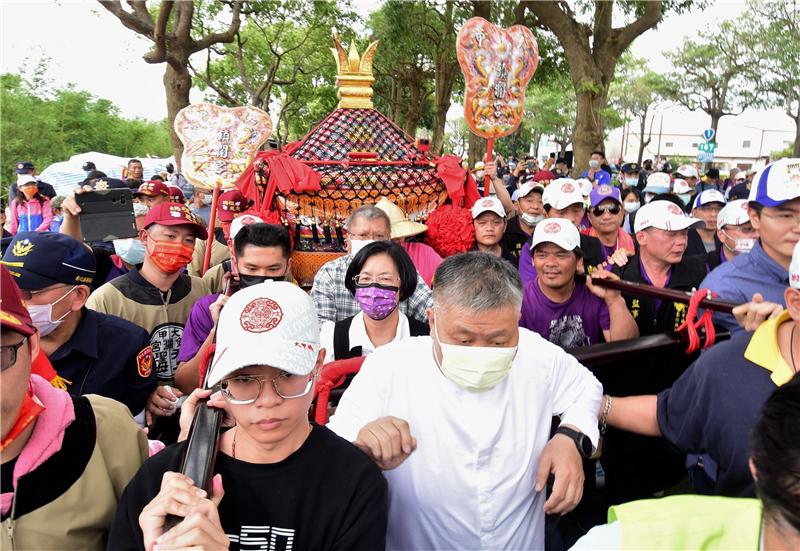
(460, 421)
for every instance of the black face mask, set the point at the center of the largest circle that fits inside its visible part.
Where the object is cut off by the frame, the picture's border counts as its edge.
(250, 280)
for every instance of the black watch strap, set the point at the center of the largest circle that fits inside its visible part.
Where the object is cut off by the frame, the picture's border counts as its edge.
(582, 442)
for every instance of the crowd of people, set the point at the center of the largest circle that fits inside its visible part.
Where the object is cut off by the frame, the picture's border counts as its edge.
(469, 423)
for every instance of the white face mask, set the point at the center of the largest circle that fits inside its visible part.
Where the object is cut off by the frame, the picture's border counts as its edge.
(42, 315)
(648, 197)
(744, 245)
(531, 219)
(594, 164)
(632, 207)
(130, 250)
(474, 368)
(479, 175)
(205, 198)
(358, 244)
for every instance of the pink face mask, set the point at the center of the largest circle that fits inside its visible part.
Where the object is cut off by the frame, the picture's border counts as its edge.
(377, 302)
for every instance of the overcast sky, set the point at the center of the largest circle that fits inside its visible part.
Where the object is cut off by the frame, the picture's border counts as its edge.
(90, 47)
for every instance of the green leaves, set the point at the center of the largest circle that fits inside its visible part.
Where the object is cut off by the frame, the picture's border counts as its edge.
(45, 125)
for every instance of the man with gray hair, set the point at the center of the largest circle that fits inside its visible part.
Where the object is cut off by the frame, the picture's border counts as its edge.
(333, 301)
(460, 420)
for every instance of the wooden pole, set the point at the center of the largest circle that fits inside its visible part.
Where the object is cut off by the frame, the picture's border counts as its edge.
(487, 182)
(212, 221)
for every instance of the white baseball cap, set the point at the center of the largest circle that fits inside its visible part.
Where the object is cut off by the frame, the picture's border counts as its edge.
(558, 231)
(776, 183)
(585, 185)
(680, 186)
(484, 204)
(794, 268)
(657, 182)
(23, 179)
(734, 213)
(525, 189)
(562, 193)
(241, 221)
(479, 166)
(664, 215)
(687, 171)
(273, 323)
(708, 196)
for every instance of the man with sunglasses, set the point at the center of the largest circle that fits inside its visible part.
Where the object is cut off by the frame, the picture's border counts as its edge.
(92, 352)
(287, 483)
(65, 459)
(562, 309)
(606, 216)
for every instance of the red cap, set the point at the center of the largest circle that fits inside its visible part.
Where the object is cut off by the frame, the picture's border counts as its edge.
(152, 188)
(13, 313)
(176, 195)
(544, 176)
(174, 214)
(232, 203)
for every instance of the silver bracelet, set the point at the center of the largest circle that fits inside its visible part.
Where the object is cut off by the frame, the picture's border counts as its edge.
(606, 411)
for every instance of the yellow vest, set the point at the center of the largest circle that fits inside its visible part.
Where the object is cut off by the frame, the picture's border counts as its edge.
(689, 522)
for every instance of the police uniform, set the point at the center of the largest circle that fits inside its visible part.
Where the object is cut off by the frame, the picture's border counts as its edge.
(105, 355)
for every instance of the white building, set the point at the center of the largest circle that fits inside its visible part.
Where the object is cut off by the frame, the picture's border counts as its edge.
(744, 141)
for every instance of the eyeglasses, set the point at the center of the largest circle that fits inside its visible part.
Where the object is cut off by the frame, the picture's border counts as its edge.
(612, 209)
(784, 218)
(28, 295)
(368, 236)
(8, 354)
(365, 280)
(245, 389)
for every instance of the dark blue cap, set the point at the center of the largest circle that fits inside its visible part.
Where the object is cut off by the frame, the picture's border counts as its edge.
(629, 168)
(41, 259)
(23, 167)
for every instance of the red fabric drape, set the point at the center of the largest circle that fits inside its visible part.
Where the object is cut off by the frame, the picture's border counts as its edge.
(459, 181)
(332, 376)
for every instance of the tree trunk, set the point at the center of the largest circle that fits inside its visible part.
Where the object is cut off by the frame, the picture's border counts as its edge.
(796, 150)
(414, 111)
(177, 85)
(642, 142)
(446, 72)
(476, 150)
(588, 133)
(536, 137)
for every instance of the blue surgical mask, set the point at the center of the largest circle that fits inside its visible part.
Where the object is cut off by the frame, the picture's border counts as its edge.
(685, 197)
(130, 250)
(631, 182)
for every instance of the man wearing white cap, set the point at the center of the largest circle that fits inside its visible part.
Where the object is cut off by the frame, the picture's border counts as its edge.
(689, 174)
(763, 274)
(685, 193)
(562, 307)
(530, 211)
(489, 223)
(706, 207)
(287, 483)
(563, 199)
(734, 232)
(661, 229)
(712, 408)
(460, 420)
(259, 252)
(657, 183)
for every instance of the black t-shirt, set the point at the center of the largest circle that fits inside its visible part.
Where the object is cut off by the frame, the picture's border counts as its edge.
(7, 476)
(326, 495)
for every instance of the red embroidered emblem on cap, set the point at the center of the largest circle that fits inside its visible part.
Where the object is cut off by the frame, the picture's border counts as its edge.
(674, 209)
(604, 189)
(487, 203)
(552, 227)
(567, 188)
(261, 315)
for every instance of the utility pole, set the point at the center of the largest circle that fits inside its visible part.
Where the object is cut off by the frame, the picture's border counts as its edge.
(660, 128)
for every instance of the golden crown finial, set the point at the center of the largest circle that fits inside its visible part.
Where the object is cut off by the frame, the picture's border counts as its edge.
(354, 78)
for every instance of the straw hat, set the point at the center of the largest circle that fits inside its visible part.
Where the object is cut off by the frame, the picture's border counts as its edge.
(401, 225)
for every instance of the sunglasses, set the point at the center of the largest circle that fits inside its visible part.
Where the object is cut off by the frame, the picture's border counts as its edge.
(612, 209)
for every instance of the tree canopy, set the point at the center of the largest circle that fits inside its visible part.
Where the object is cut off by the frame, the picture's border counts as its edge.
(46, 125)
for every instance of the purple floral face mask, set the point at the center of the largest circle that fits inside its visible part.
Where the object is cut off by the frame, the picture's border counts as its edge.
(377, 301)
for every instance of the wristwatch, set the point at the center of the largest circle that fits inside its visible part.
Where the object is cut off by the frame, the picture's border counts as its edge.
(583, 443)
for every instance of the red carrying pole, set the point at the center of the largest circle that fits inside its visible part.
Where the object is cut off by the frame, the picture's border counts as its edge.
(212, 221)
(487, 179)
